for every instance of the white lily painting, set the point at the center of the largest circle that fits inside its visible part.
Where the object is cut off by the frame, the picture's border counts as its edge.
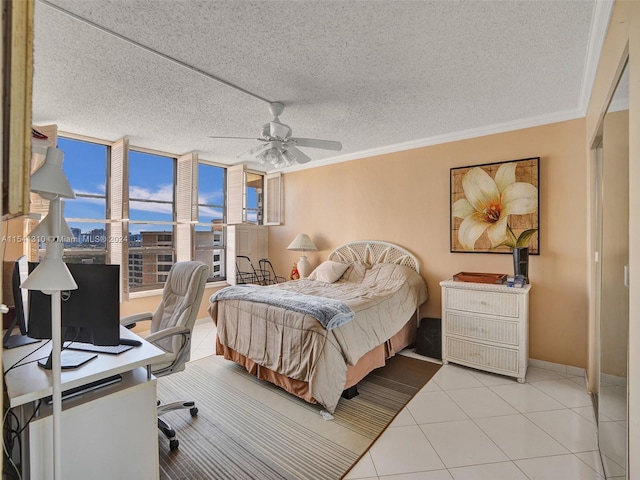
(494, 207)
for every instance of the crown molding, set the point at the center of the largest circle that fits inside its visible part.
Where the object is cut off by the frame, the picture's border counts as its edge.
(446, 138)
(602, 11)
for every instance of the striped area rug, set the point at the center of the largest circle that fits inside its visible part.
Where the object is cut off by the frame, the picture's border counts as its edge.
(249, 429)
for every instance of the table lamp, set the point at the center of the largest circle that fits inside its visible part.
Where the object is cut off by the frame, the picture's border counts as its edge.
(52, 276)
(303, 243)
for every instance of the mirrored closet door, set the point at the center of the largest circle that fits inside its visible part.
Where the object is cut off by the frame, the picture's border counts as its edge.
(614, 292)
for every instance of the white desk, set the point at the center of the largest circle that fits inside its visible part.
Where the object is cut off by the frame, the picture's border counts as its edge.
(108, 433)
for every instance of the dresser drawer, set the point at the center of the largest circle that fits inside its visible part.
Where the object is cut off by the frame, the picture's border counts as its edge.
(482, 328)
(486, 357)
(477, 301)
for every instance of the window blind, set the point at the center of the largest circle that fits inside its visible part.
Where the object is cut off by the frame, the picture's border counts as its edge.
(118, 206)
(186, 205)
(236, 195)
(272, 199)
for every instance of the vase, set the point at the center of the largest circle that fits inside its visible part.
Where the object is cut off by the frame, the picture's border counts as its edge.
(521, 262)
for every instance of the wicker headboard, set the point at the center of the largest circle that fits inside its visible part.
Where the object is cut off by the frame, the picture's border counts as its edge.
(374, 251)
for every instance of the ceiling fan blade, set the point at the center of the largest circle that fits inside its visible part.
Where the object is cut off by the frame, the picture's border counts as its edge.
(313, 143)
(238, 138)
(300, 157)
(254, 151)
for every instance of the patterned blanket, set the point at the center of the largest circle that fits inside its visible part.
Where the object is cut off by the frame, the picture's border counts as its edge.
(330, 313)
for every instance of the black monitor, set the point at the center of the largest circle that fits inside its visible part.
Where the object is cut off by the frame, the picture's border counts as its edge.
(90, 314)
(20, 301)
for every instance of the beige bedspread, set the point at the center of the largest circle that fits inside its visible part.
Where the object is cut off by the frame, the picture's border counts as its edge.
(296, 345)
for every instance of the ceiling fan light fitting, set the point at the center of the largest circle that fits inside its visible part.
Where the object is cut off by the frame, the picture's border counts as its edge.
(271, 156)
(279, 147)
(289, 158)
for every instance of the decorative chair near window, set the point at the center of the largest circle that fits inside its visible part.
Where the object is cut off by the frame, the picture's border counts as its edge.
(247, 273)
(269, 273)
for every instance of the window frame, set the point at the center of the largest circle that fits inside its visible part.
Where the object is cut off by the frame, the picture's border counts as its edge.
(216, 250)
(183, 229)
(143, 250)
(70, 252)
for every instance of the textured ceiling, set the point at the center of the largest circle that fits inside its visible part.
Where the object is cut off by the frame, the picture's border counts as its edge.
(371, 74)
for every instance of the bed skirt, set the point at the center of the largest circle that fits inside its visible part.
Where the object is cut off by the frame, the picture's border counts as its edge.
(373, 359)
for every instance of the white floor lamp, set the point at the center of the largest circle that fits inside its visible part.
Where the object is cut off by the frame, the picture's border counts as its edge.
(52, 276)
(303, 244)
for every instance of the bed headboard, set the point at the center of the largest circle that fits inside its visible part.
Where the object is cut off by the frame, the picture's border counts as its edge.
(374, 251)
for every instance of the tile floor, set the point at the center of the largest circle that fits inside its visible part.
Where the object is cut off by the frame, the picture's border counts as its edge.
(470, 425)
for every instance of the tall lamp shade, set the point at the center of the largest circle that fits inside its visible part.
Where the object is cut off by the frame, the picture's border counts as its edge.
(49, 181)
(303, 244)
(52, 275)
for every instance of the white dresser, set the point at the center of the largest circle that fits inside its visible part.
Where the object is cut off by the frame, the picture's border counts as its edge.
(486, 327)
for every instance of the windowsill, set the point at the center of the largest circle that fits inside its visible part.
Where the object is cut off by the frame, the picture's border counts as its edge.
(158, 291)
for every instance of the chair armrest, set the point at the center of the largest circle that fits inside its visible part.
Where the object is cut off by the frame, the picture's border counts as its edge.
(130, 320)
(167, 332)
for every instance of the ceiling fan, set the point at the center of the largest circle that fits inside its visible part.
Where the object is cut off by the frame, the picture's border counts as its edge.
(277, 147)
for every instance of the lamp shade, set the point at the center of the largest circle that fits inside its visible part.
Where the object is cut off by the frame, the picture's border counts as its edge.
(54, 225)
(302, 243)
(52, 274)
(49, 180)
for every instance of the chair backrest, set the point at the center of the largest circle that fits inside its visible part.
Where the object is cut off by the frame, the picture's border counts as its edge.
(245, 271)
(266, 267)
(180, 303)
(244, 264)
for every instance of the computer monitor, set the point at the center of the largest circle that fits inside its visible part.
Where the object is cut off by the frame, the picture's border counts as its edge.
(90, 314)
(20, 301)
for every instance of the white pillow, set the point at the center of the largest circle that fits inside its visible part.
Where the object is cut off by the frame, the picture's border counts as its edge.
(328, 271)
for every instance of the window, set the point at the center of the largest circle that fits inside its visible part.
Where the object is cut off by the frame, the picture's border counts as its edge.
(209, 241)
(146, 210)
(254, 198)
(85, 166)
(151, 219)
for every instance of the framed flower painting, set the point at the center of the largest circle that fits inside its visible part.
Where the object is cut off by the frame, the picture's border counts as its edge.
(495, 207)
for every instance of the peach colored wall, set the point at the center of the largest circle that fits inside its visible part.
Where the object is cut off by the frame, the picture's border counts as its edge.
(404, 198)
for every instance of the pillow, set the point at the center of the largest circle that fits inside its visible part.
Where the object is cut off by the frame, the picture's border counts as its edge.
(328, 271)
(355, 273)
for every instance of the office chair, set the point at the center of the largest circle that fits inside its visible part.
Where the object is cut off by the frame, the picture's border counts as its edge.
(171, 327)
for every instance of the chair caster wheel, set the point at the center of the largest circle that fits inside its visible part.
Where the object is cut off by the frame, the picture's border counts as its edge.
(173, 444)
(193, 411)
(168, 432)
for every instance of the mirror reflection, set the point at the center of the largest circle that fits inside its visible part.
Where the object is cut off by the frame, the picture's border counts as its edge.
(614, 304)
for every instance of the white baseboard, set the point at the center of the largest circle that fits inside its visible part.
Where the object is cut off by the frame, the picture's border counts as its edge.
(557, 367)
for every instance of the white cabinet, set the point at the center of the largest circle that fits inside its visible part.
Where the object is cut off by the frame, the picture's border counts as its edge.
(486, 327)
(106, 434)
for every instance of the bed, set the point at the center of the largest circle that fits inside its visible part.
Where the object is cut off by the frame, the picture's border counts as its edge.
(318, 337)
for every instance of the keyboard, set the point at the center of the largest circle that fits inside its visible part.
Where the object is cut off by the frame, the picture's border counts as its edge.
(89, 347)
(89, 387)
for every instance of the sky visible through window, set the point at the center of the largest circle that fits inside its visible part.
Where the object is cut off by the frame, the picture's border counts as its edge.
(150, 191)
(210, 195)
(151, 186)
(85, 165)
